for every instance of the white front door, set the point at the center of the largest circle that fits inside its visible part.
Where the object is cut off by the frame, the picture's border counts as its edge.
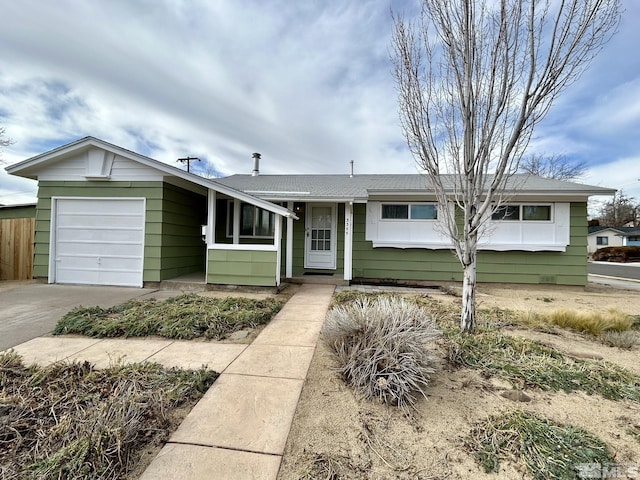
(98, 241)
(320, 236)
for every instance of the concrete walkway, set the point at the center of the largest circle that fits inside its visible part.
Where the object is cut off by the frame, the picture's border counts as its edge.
(239, 429)
(106, 352)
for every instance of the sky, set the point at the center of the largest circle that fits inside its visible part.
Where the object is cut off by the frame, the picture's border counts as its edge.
(308, 84)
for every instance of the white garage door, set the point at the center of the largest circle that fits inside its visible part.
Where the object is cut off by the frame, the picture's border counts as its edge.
(99, 241)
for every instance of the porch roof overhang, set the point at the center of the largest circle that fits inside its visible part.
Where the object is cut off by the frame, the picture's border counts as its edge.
(29, 169)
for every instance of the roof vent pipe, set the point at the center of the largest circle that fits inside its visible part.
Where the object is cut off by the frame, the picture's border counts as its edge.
(351, 162)
(256, 164)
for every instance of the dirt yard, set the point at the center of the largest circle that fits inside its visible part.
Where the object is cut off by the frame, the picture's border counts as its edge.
(344, 436)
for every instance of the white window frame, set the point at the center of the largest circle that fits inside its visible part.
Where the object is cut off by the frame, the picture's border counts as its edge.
(521, 211)
(229, 223)
(409, 205)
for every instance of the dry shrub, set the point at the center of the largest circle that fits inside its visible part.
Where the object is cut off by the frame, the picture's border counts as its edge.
(627, 339)
(591, 322)
(382, 348)
(71, 421)
(617, 254)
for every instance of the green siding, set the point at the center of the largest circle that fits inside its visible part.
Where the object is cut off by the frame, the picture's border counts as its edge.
(567, 268)
(172, 247)
(242, 267)
(18, 212)
(299, 244)
(183, 250)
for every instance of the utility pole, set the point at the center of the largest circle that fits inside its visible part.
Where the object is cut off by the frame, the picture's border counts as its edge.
(187, 160)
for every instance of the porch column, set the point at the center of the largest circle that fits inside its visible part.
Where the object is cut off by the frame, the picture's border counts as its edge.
(211, 217)
(277, 240)
(348, 239)
(236, 221)
(288, 263)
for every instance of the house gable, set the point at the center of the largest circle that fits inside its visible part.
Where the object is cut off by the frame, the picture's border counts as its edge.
(97, 164)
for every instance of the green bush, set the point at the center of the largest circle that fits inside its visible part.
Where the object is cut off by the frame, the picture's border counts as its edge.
(382, 348)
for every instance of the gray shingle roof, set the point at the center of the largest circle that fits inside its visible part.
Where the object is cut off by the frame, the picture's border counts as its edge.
(623, 231)
(360, 187)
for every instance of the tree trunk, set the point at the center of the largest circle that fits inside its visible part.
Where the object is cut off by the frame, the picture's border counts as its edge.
(468, 316)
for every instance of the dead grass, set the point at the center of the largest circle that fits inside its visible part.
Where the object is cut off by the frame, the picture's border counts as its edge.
(528, 364)
(592, 322)
(549, 450)
(627, 339)
(70, 421)
(184, 317)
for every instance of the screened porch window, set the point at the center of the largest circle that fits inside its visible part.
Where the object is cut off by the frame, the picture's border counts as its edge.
(254, 221)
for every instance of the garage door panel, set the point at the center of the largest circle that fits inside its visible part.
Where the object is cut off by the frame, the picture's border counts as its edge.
(71, 248)
(100, 235)
(66, 275)
(93, 262)
(93, 205)
(115, 278)
(99, 241)
(71, 221)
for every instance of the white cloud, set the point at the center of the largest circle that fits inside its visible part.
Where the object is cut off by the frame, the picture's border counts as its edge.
(307, 84)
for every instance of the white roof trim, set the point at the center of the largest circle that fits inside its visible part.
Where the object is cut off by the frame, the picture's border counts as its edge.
(32, 162)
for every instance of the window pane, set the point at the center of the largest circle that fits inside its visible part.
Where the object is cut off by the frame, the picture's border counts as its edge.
(395, 211)
(424, 212)
(264, 223)
(230, 218)
(603, 240)
(536, 212)
(246, 219)
(321, 217)
(507, 212)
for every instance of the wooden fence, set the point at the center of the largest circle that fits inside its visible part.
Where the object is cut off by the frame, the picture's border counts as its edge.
(16, 248)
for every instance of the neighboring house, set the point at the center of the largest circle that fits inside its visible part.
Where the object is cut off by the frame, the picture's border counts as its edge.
(106, 215)
(630, 236)
(600, 237)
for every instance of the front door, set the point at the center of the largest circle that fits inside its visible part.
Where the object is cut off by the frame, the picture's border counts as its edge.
(320, 236)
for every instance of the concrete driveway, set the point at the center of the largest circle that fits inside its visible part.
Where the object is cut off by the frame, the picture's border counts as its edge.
(30, 310)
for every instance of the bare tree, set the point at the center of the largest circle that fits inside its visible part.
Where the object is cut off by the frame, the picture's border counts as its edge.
(474, 78)
(558, 167)
(620, 211)
(4, 141)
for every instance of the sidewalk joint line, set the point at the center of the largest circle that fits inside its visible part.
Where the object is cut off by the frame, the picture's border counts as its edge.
(158, 351)
(264, 376)
(234, 449)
